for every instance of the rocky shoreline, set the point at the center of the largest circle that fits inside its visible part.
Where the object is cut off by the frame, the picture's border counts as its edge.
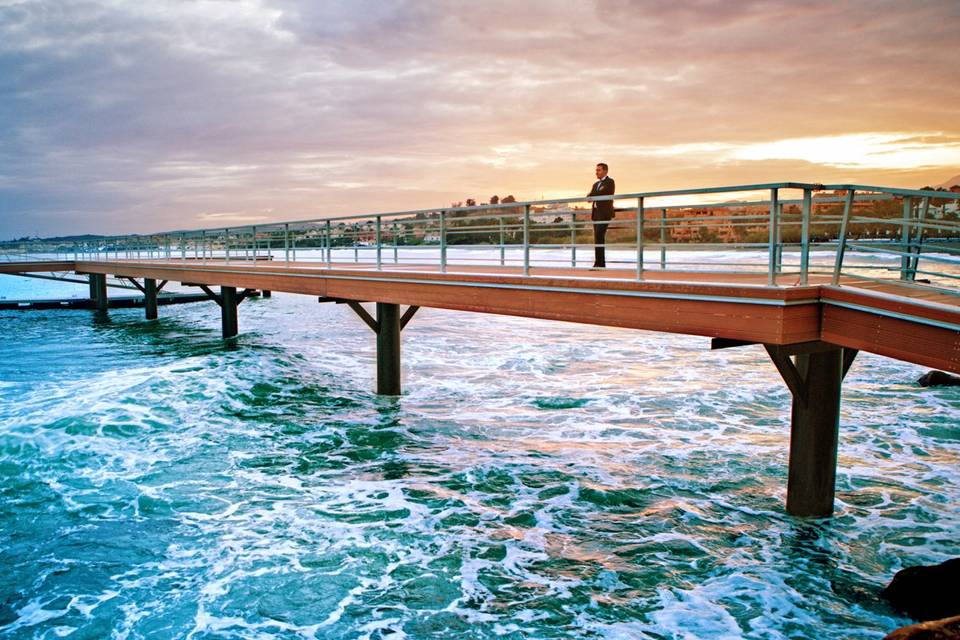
(929, 594)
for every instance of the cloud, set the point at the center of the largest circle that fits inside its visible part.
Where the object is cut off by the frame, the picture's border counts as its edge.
(125, 116)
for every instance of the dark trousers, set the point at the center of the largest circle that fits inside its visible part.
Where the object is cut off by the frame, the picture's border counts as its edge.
(599, 237)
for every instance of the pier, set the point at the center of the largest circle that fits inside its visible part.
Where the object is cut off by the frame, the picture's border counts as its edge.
(823, 291)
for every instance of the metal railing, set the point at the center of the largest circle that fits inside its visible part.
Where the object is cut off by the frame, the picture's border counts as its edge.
(792, 232)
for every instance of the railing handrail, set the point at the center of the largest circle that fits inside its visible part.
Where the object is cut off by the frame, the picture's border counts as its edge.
(872, 190)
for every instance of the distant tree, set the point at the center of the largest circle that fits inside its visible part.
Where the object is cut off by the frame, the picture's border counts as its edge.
(471, 202)
(456, 205)
(508, 200)
(494, 199)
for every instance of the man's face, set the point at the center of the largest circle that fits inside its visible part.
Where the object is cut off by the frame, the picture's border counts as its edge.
(601, 173)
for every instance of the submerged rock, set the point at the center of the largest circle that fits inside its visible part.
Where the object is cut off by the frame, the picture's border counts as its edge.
(946, 629)
(938, 379)
(926, 593)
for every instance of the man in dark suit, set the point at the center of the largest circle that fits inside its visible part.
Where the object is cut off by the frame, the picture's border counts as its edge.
(602, 212)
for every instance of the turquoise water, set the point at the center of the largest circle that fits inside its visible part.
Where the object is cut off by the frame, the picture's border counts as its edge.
(536, 480)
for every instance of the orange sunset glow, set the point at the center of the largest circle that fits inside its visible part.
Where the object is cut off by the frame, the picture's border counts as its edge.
(123, 117)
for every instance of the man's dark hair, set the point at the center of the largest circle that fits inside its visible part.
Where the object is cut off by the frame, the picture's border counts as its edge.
(604, 165)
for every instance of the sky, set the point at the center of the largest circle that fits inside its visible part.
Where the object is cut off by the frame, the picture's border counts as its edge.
(122, 116)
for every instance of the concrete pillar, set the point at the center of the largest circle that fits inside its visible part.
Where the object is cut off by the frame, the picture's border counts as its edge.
(150, 298)
(98, 286)
(388, 349)
(228, 311)
(814, 433)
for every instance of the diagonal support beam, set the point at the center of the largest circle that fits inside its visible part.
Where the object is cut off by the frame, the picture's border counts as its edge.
(368, 319)
(211, 294)
(849, 355)
(134, 282)
(788, 370)
(161, 285)
(243, 295)
(364, 315)
(408, 315)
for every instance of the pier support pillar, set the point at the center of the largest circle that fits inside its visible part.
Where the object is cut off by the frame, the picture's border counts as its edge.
(387, 326)
(265, 293)
(150, 298)
(228, 311)
(814, 431)
(98, 291)
(814, 378)
(388, 349)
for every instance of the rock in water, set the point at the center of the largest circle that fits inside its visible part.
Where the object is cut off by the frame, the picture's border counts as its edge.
(946, 629)
(926, 593)
(938, 379)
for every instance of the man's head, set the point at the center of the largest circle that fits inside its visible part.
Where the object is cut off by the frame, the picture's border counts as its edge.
(601, 170)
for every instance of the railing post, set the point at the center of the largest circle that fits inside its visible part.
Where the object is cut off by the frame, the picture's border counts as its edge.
(324, 244)
(379, 246)
(805, 236)
(396, 256)
(922, 215)
(573, 239)
(356, 243)
(329, 245)
(443, 241)
(905, 238)
(183, 247)
(779, 237)
(226, 245)
(842, 238)
(526, 240)
(663, 239)
(253, 243)
(503, 250)
(286, 243)
(640, 216)
(773, 235)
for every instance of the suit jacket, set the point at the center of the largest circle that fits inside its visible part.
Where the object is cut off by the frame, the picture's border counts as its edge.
(602, 210)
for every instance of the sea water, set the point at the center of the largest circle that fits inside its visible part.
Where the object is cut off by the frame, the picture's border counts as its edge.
(536, 480)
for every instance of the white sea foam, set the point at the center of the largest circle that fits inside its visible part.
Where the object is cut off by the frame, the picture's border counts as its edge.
(535, 476)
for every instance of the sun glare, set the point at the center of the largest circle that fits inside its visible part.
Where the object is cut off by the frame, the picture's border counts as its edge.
(862, 150)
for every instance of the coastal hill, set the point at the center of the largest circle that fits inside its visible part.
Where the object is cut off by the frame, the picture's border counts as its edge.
(955, 180)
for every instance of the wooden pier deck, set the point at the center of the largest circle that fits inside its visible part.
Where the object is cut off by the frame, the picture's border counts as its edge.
(891, 318)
